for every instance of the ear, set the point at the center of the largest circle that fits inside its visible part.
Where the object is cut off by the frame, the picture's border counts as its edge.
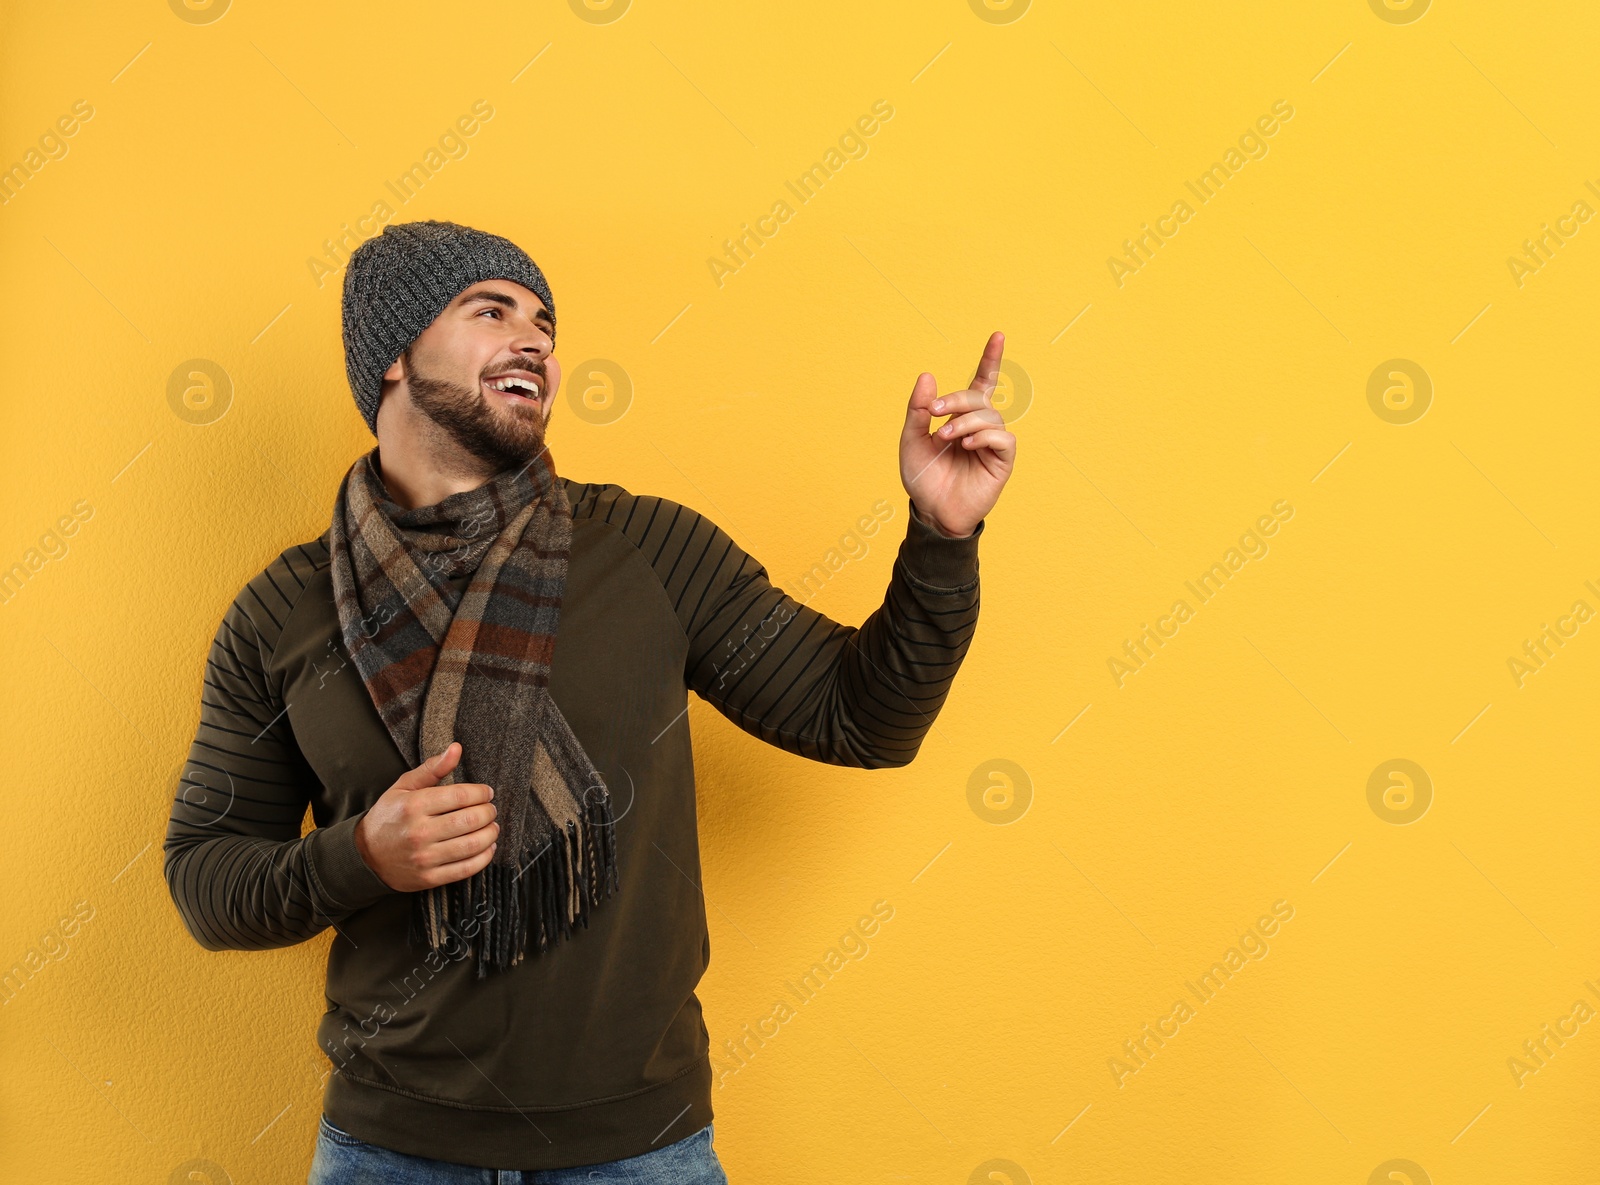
(396, 371)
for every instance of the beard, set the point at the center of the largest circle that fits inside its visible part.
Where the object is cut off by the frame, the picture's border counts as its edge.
(502, 438)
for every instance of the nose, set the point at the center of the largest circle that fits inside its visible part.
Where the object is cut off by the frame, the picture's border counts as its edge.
(534, 343)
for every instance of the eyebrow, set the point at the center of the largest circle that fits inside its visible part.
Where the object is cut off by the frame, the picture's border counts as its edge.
(539, 314)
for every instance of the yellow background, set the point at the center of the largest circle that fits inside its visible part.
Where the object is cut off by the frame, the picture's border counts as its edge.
(1229, 773)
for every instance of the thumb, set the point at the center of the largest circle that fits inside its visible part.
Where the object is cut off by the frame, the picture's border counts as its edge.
(430, 771)
(918, 412)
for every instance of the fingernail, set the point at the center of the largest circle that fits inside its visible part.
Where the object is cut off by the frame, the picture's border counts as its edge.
(937, 404)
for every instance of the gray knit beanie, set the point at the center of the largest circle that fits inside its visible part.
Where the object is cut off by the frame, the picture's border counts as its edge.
(397, 282)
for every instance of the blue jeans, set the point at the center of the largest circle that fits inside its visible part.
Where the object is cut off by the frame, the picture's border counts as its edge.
(341, 1159)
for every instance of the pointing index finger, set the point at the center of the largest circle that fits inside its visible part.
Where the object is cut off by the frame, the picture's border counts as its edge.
(988, 372)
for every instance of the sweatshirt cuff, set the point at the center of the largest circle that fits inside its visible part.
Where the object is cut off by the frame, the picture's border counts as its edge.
(937, 561)
(340, 872)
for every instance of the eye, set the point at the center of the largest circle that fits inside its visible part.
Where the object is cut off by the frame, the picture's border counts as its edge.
(490, 309)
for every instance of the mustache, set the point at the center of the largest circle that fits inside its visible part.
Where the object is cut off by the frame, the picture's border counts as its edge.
(536, 368)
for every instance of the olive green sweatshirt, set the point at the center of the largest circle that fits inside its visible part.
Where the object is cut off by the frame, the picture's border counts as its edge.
(594, 1050)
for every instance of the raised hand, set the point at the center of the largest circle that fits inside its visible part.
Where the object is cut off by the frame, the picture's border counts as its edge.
(955, 475)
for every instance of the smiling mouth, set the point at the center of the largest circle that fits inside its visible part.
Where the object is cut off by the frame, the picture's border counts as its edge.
(522, 387)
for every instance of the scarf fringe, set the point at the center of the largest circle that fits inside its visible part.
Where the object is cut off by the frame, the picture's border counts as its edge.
(535, 905)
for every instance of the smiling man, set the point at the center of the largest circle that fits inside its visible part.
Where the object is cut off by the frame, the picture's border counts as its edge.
(505, 839)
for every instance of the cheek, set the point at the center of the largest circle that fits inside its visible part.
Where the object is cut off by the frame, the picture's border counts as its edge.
(552, 370)
(473, 351)
(451, 362)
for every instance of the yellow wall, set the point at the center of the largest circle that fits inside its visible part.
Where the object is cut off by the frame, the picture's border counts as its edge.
(1229, 374)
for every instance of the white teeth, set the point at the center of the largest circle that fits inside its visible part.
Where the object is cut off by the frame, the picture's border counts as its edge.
(518, 384)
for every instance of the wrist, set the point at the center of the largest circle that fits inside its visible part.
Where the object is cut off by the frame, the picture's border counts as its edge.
(360, 839)
(936, 525)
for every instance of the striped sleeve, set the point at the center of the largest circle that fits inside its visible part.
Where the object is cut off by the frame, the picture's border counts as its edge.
(859, 696)
(240, 873)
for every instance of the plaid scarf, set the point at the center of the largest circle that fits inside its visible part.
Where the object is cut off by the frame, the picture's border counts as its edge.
(474, 667)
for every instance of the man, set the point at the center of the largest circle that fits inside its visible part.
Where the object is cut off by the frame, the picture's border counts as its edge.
(505, 838)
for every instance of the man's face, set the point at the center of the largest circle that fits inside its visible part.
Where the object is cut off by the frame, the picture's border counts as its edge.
(493, 332)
